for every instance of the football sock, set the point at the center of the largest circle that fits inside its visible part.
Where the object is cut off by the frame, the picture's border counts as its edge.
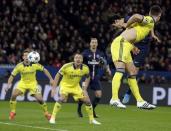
(56, 109)
(116, 81)
(44, 107)
(134, 88)
(89, 110)
(96, 101)
(13, 106)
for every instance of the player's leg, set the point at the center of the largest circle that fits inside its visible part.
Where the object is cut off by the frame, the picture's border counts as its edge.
(120, 50)
(63, 98)
(80, 103)
(135, 89)
(138, 61)
(127, 95)
(18, 91)
(39, 98)
(79, 111)
(116, 82)
(83, 96)
(36, 93)
(98, 95)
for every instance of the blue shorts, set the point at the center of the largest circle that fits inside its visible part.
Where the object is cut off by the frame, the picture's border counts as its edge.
(139, 59)
(95, 84)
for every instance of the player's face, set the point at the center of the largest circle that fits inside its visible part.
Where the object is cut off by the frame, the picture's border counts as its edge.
(25, 57)
(93, 44)
(78, 59)
(158, 18)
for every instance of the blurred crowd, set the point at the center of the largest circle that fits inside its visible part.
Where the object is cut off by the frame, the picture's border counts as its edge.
(61, 27)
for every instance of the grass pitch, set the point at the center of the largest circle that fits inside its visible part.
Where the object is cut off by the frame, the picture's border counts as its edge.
(30, 118)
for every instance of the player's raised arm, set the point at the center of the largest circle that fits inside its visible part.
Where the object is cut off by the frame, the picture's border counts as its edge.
(154, 36)
(48, 75)
(136, 18)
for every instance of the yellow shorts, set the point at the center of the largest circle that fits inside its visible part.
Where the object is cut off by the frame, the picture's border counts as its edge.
(76, 92)
(32, 87)
(121, 50)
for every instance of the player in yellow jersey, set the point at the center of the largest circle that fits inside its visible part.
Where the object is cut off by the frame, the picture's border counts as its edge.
(71, 74)
(28, 81)
(137, 28)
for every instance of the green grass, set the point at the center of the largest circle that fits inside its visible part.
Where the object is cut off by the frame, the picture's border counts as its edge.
(112, 119)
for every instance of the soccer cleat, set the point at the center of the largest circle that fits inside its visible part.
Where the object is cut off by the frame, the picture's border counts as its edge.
(12, 115)
(95, 122)
(126, 98)
(52, 120)
(117, 103)
(145, 105)
(47, 115)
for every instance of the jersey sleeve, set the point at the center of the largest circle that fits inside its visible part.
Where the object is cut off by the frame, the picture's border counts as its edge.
(39, 67)
(62, 70)
(147, 20)
(15, 71)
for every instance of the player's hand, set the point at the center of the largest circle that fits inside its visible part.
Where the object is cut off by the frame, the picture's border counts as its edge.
(118, 23)
(157, 38)
(53, 91)
(8, 87)
(135, 51)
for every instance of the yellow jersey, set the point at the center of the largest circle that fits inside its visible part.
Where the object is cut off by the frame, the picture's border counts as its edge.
(144, 28)
(27, 72)
(71, 75)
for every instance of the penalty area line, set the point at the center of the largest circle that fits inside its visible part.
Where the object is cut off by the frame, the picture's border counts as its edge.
(28, 126)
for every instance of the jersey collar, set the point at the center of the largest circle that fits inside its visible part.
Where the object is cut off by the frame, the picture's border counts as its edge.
(153, 19)
(26, 65)
(81, 67)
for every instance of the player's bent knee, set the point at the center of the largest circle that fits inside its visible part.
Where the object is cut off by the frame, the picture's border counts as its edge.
(86, 101)
(98, 94)
(132, 76)
(13, 97)
(121, 70)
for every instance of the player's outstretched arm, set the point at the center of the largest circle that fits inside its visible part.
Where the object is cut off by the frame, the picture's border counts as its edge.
(55, 83)
(48, 75)
(10, 80)
(154, 36)
(136, 18)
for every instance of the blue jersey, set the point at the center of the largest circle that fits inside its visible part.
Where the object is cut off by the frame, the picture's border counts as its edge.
(94, 62)
(144, 49)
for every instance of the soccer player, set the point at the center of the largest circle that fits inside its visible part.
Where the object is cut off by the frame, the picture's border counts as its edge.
(137, 28)
(95, 59)
(28, 81)
(139, 58)
(72, 74)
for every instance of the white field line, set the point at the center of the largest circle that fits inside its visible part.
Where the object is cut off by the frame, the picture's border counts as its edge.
(28, 126)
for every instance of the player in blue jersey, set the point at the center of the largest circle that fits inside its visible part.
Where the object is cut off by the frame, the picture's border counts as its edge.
(139, 58)
(95, 59)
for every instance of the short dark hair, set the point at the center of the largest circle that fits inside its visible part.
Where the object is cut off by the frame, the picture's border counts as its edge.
(77, 53)
(26, 51)
(155, 10)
